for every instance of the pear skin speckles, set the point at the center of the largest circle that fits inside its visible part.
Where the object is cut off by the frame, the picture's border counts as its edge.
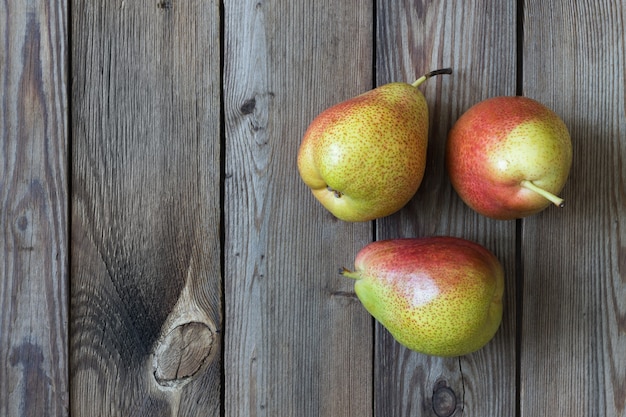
(440, 296)
(365, 158)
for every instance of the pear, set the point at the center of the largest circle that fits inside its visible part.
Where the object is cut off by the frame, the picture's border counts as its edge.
(440, 296)
(365, 158)
(508, 157)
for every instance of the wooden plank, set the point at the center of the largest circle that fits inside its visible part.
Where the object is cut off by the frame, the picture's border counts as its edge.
(297, 341)
(478, 41)
(573, 346)
(33, 209)
(146, 286)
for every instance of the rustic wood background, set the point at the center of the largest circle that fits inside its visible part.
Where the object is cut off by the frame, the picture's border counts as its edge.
(161, 255)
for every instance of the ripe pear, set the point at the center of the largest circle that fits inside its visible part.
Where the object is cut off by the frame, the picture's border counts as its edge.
(440, 296)
(365, 158)
(509, 157)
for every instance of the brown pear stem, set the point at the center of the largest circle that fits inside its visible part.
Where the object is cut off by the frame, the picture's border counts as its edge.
(558, 201)
(424, 77)
(349, 274)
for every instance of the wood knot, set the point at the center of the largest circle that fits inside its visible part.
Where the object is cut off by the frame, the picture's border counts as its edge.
(22, 223)
(164, 5)
(444, 400)
(182, 353)
(248, 106)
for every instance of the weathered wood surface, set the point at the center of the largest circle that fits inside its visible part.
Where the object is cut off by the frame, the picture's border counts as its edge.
(408, 383)
(33, 209)
(573, 346)
(145, 323)
(297, 341)
(203, 273)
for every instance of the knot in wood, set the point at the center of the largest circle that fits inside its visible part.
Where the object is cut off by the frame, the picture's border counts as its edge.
(22, 223)
(182, 353)
(444, 400)
(248, 106)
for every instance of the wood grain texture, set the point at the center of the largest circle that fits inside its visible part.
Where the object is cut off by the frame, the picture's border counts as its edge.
(33, 209)
(297, 342)
(153, 152)
(573, 346)
(146, 285)
(478, 42)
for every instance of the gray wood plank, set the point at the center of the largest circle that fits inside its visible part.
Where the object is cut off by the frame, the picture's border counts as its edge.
(146, 285)
(297, 342)
(478, 42)
(573, 346)
(33, 209)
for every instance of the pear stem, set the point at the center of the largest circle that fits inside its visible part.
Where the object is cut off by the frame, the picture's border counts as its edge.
(424, 77)
(558, 201)
(349, 274)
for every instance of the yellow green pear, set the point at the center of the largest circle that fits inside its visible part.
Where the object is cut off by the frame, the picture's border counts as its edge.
(365, 158)
(440, 295)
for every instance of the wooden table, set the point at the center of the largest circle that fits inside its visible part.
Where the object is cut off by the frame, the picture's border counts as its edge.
(162, 256)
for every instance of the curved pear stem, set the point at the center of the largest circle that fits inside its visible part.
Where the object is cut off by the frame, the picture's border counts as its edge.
(558, 201)
(349, 274)
(424, 77)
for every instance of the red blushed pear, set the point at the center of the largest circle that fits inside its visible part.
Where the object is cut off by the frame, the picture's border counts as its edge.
(365, 158)
(509, 157)
(440, 296)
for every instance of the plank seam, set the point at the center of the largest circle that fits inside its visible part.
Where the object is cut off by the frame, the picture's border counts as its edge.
(222, 215)
(519, 264)
(374, 222)
(70, 192)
